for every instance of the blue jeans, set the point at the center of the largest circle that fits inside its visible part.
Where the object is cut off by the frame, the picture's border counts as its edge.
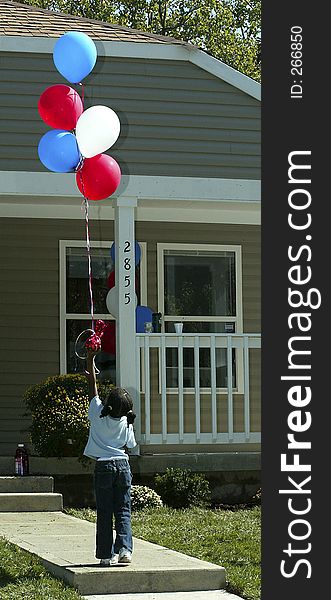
(113, 499)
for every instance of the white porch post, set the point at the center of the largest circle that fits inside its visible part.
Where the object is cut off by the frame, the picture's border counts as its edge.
(126, 375)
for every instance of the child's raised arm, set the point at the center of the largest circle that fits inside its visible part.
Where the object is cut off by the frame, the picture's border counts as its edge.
(92, 382)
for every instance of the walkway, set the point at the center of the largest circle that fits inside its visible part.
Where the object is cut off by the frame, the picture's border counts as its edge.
(66, 546)
(209, 595)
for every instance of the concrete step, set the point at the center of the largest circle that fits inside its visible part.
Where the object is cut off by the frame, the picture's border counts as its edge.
(201, 595)
(35, 502)
(28, 484)
(66, 546)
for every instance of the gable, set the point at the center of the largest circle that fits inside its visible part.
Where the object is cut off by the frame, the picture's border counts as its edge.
(177, 119)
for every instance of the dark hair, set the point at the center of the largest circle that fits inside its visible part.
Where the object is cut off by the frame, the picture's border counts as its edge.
(118, 404)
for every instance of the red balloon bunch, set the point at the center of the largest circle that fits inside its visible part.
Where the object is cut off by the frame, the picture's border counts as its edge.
(81, 136)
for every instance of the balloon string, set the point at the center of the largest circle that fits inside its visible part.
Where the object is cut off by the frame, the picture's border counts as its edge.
(85, 205)
(88, 247)
(83, 94)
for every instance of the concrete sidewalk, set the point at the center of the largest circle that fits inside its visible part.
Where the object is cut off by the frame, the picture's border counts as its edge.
(66, 546)
(206, 595)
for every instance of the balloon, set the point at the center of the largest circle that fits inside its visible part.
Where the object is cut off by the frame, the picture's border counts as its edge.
(99, 177)
(97, 130)
(111, 302)
(58, 151)
(74, 55)
(108, 341)
(137, 253)
(99, 327)
(93, 342)
(144, 314)
(60, 107)
(111, 279)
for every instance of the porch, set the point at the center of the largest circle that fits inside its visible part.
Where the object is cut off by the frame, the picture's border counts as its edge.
(197, 389)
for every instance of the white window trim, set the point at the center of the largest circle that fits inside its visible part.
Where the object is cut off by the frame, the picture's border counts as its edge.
(63, 245)
(237, 249)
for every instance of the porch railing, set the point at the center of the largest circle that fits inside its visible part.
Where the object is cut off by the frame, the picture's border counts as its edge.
(154, 393)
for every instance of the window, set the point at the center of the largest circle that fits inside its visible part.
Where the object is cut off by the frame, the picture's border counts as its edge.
(200, 285)
(74, 303)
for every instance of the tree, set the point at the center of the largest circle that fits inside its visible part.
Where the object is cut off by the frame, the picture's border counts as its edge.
(227, 29)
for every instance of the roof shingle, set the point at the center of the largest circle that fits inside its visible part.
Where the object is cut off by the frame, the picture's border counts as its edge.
(25, 20)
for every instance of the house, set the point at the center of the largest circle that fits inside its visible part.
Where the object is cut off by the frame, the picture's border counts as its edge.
(189, 151)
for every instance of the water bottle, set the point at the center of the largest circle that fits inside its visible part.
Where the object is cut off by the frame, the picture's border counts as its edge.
(156, 320)
(21, 460)
(25, 461)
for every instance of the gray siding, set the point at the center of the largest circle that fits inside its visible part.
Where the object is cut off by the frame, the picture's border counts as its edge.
(29, 300)
(177, 119)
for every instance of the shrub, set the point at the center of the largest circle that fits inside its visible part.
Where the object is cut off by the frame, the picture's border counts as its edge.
(59, 407)
(144, 497)
(180, 488)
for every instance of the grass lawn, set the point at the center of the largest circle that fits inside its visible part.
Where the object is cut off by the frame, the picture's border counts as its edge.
(22, 576)
(225, 537)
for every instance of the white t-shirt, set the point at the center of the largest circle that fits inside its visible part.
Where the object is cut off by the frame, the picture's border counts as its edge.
(108, 435)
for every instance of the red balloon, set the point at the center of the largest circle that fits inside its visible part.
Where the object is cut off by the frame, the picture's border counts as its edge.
(111, 279)
(99, 177)
(60, 107)
(108, 341)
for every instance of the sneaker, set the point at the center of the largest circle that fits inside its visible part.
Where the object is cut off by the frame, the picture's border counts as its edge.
(124, 556)
(105, 562)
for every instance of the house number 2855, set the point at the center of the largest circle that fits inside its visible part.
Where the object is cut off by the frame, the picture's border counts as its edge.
(127, 278)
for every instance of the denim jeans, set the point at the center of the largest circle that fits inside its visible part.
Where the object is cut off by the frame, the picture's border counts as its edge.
(113, 499)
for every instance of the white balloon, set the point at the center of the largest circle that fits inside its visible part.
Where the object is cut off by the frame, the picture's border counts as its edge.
(111, 302)
(97, 129)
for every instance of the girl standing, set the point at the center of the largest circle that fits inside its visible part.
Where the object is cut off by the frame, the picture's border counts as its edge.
(111, 431)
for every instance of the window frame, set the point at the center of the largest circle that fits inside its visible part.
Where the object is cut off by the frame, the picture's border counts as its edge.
(238, 319)
(63, 315)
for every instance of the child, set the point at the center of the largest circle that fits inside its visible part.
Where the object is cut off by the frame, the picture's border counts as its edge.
(111, 431)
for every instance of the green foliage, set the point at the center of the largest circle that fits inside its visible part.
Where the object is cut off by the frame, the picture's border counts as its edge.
(223, 537)
(22, 575)
(227, 29)
(180, 488)
(143, 497)
(59, 407)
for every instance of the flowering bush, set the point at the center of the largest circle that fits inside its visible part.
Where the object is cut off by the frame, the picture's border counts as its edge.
(59, 407)
(144, 497)
(180, 488)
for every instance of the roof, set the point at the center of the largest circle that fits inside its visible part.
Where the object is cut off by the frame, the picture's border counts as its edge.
(26, 28)
(24, 20)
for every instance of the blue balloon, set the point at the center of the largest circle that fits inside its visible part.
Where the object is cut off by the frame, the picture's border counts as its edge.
(58, 151)
(74, 55)
(144, 314)
(137, 253)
